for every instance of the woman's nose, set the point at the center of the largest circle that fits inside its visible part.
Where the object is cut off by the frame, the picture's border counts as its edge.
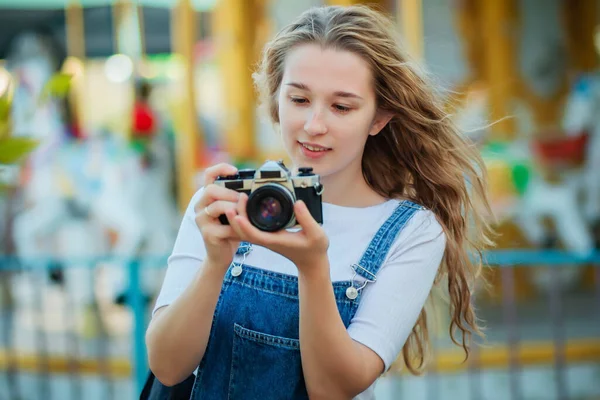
(315, 125)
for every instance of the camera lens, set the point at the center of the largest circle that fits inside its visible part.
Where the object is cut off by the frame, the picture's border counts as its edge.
(270, 207)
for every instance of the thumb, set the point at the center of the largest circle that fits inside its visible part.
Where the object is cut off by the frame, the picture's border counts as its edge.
(304, 217)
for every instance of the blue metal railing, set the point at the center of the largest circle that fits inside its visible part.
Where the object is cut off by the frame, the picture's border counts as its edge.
(511, 257)
(135, 299)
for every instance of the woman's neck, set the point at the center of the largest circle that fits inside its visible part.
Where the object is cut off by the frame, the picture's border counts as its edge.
(348, 191)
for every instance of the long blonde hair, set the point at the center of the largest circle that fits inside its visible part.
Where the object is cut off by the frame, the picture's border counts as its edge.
(419, 155)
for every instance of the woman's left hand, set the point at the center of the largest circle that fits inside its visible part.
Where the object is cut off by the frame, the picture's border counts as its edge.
(305, 248)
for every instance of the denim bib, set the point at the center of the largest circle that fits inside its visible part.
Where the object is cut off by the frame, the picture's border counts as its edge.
(253, 351)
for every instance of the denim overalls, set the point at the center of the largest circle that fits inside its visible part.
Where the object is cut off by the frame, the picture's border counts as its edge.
(253, 351)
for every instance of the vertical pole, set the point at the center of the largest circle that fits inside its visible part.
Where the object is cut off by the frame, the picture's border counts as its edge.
(234, 34)
(141, 29)
(136, 302)
(511, 319)
(75, 38)
(498, 19)
(410, 17)
(75, 30)
(580, 18)
(189, 144)
(128, 34)
(558, 330)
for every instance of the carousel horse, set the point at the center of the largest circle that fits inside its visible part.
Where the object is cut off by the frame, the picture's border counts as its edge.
(79, 191)
(535, 198)
(573, 201)
(582, 121)
(32, 60)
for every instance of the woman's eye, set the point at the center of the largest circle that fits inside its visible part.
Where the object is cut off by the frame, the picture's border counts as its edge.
(299, 100)
(341, 108)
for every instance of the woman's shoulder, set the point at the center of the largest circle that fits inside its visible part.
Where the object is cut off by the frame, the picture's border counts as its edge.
(425, 222)
(423, 230)
(422, 221)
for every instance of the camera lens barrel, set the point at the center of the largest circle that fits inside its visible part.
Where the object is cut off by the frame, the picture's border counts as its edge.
(271, 207)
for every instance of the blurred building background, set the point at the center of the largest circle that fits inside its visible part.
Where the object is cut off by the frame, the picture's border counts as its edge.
(128, 101)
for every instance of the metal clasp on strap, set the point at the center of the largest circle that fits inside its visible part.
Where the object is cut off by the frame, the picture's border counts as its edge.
(236, 268)
(352, 291)
(244, 248)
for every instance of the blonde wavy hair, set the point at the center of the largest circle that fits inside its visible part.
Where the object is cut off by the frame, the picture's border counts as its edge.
(419, 155)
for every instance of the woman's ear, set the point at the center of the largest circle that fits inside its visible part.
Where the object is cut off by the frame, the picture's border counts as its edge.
(382, 118)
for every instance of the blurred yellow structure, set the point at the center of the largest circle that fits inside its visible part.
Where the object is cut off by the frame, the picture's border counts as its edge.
(189, 142)
(445, 360)
(237, 25)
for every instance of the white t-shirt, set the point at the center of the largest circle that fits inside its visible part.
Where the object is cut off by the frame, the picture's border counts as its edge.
(389, 307)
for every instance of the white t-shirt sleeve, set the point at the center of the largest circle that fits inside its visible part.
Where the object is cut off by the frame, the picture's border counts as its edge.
(390, 307)
(185, 260)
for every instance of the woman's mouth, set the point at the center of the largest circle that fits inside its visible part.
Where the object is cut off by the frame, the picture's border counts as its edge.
(312, 150)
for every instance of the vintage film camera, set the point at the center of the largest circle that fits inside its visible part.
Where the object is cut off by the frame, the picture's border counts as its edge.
(272, 192)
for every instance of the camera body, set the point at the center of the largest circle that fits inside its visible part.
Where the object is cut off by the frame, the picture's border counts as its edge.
(272, 191)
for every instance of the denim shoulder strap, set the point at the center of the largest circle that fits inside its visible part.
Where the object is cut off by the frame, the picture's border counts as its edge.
(381, 243)
(243, 249)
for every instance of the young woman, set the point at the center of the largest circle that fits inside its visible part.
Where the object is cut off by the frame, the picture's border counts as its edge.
(323, 311)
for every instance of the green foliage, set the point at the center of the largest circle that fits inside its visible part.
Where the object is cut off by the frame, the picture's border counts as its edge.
(58, 87)
(13, 149)
(5, 102)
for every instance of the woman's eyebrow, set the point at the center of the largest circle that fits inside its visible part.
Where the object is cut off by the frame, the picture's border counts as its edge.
(302, 86)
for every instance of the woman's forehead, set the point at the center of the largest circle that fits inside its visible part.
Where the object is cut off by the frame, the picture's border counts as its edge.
(326, 69)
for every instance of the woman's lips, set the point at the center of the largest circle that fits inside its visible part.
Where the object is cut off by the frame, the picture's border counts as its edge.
(312, 150)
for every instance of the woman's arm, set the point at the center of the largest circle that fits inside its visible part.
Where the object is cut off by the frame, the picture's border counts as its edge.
(334, 365)
(178, 334)
(339, 363)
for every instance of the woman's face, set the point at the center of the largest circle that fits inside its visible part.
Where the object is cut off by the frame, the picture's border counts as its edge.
(327, 110)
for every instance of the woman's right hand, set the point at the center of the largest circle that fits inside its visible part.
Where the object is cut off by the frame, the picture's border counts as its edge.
(221, 241)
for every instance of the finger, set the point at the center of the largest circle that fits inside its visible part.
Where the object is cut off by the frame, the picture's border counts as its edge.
(305, 219)
(217, 208)
(214, 193)
(254, 235)
(221, 232)
(222, 169)
(240, 211)
(249, 232)
(242, 205)
(231, 214)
